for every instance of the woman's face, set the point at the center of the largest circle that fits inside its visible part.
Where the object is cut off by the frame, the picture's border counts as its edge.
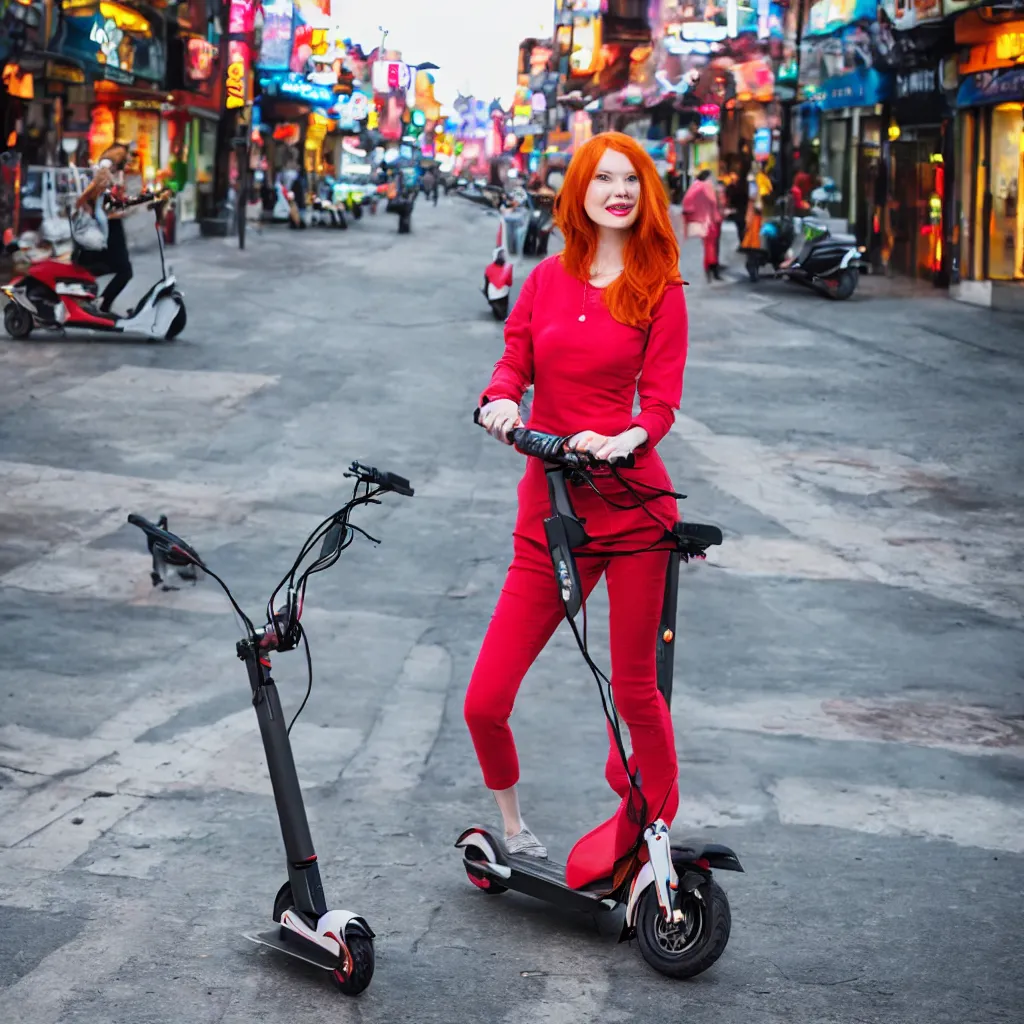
(613, 196)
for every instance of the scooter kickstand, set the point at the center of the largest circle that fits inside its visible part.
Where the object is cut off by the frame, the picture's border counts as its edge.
(666, 881)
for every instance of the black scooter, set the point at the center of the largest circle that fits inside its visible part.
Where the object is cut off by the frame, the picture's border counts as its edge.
(338, 941)
(830, 265)
(539, 226)
(678, 913)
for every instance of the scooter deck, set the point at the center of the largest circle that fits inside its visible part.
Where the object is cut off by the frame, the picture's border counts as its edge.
(541, 878)
(295, 946)
(545, 880)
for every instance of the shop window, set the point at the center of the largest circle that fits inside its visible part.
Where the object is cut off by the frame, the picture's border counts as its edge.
(1006, 226)
(834, 163)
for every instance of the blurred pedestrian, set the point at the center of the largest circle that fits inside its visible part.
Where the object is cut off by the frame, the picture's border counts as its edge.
(702, 215)
(755, 213)
(429, 184)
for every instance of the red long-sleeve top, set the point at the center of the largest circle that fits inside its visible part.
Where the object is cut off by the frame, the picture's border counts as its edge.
(587, 374)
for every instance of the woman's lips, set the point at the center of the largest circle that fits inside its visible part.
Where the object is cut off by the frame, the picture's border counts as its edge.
(620, 209)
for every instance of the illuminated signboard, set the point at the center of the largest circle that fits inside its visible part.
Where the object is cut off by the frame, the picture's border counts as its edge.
(294, 86)
(389, 75)
(1010, 44)
(200, 56)
(240, 18)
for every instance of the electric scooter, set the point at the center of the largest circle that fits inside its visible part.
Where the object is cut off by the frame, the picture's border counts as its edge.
(678, 913)
(338, 941)
(55, 295)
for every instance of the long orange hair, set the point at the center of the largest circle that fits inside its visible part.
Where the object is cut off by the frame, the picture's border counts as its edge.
(651, 257)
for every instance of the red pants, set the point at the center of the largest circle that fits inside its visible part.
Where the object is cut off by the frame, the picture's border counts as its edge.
(528, 612)
(711, 244)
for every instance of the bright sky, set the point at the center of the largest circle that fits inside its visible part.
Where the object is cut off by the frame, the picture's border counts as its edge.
(475, 43)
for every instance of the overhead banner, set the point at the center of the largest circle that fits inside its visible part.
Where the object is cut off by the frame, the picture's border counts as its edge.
(278, 28)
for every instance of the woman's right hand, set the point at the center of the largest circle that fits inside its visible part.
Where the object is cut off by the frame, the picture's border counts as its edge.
(499, 417)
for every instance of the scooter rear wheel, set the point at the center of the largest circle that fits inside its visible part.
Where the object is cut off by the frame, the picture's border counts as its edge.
(17, 321)
(483, 882)
(179, 321)
(690, 948)
(846, 285)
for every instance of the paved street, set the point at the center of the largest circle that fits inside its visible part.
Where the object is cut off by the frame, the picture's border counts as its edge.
(849, 706)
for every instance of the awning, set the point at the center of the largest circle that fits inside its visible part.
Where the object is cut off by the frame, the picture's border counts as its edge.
(985, 88)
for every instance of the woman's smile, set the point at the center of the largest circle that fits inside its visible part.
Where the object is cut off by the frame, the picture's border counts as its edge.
(620, 209)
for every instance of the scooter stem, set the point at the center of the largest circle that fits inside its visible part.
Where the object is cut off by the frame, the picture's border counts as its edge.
(666, 881)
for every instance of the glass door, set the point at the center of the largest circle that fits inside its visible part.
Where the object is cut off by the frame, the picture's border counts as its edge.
(1006, 221)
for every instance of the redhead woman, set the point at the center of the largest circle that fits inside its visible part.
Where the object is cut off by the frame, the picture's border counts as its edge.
(595, 326)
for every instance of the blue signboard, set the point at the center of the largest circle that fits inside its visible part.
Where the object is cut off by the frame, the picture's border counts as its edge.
(987, 87)
(862, 88)
(292, 86)
(827, 16)
(762, 143)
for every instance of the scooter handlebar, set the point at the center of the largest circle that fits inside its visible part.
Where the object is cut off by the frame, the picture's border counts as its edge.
(551, 448)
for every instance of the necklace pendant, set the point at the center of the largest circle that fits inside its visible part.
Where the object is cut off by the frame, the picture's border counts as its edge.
(583, 317)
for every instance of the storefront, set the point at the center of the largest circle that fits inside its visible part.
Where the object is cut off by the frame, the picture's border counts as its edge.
(990, 105)
(852, 124)
(838, 76)
(921, 171)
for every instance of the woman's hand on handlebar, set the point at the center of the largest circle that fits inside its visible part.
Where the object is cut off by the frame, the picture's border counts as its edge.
(605, 448)
(500, 417)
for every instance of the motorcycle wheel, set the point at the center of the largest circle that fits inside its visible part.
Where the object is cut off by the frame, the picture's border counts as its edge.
(846, 285)
(17, 321)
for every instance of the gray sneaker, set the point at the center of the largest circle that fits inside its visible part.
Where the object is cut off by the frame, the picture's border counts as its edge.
(525, 843)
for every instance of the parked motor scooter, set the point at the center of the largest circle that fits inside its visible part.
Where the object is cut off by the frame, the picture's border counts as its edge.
(540, 224)
(326, 213)
(53, 294)
(498, 284)
(829, 264)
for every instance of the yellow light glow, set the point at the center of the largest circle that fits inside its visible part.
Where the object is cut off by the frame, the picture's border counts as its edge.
(894, 132)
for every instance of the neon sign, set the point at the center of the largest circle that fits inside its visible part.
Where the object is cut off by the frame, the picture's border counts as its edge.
(240, 19)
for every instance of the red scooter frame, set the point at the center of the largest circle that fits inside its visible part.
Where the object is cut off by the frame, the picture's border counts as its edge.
(57, 295)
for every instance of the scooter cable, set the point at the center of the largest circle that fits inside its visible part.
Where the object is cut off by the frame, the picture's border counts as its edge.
(309, 683)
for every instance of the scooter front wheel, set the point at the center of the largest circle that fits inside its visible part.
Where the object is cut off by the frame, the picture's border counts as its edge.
(690, 948)
(17, 321)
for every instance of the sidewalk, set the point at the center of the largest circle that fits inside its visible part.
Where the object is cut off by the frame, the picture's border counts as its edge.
(884, 303)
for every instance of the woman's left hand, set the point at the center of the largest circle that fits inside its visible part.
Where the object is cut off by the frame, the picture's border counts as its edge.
(606, 448)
